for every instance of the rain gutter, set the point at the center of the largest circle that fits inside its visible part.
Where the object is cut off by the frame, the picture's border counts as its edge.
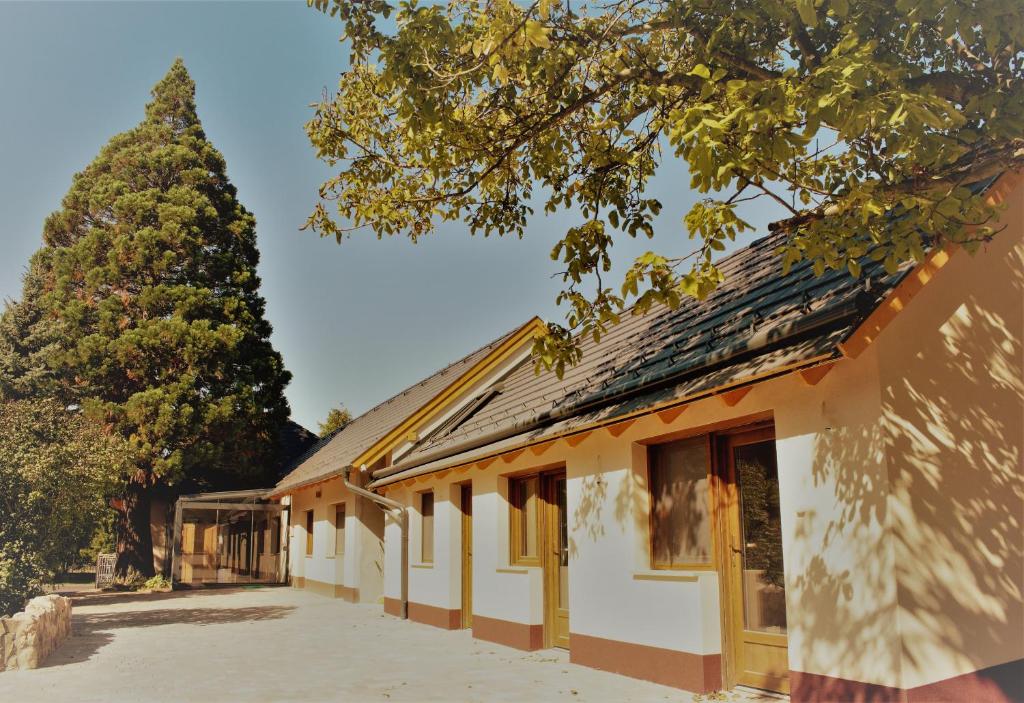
(758, 342)
(397, 511)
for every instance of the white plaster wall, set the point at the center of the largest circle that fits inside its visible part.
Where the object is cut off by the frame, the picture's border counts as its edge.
(393, 549)
(837, 561)
(900, 487)
(500, 591)
(834, 495)
(436, 583)
(952, 393)
(361, 565)
(610, 588)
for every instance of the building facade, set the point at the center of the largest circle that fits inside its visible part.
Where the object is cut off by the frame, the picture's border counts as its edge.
(835, 513)
(336, 536)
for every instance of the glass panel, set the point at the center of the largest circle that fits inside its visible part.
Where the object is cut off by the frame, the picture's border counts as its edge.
(528, 513)
(764, 593)
(563, 546)
(681, 514)
(427, 512)
(309, 532)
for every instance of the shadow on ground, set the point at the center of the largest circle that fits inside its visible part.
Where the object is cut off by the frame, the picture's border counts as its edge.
(92, 632)
(116, 597)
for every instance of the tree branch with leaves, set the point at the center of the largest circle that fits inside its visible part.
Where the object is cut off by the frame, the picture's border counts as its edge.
(467, 111)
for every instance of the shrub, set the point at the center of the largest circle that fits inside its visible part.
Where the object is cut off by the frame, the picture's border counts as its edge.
(157, 583)
(56, 469)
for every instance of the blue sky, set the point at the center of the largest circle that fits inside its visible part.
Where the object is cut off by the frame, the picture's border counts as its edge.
(356, 323)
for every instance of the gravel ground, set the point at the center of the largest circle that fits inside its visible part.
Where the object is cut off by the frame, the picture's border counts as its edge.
(277, 644)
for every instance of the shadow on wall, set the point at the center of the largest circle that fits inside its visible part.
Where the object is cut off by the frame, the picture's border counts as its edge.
(588, 517)
(951, 494)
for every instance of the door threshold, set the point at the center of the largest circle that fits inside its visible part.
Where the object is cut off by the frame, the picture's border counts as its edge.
(762, 693)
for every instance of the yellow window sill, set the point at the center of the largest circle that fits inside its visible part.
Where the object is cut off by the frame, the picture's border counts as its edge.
(421, 566)
(659, 575)
(512, 570)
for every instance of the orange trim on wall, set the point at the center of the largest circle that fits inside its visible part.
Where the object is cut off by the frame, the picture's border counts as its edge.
(701, 673)
(1003, 683)
(438, 617)
(617, 429)
(815, 374)
(511, 634)
(900, 296)
(673, 408)
(669, 416)
(894, 303)
(733, 397)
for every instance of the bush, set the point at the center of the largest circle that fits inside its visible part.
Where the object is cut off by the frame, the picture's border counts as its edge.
(56, 469)
(157, 583)
(20, 568)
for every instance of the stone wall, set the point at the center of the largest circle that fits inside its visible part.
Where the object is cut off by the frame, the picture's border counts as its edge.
(28, 637)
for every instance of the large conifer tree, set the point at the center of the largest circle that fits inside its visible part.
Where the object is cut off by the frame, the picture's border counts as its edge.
(143, 307)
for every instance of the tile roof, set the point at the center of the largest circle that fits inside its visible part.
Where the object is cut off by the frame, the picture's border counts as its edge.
(338, 450)
(757, 322)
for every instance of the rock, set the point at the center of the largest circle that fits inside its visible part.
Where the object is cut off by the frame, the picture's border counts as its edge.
(28, 637)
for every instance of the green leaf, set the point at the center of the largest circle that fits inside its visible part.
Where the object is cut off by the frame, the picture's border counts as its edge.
(536, 34)
(500, 73)
(807, 14)
(700, 70)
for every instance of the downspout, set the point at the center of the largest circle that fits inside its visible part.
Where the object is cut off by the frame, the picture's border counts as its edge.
(397, 511)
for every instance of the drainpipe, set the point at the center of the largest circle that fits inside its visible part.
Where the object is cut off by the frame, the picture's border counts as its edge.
(397, 511)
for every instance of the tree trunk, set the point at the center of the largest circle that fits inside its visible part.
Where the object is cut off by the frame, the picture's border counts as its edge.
(134, 540)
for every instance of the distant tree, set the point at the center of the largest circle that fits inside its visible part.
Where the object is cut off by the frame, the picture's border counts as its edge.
(143, 307)
(336, 419)
(57, 470)
(865, 120)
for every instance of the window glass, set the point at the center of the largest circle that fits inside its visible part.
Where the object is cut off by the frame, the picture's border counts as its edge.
(680, 506)
(427, 513)
(764, 589)
(524, 495)
(309, 532)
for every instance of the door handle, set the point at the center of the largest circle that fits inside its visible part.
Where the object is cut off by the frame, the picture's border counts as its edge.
(735, 550)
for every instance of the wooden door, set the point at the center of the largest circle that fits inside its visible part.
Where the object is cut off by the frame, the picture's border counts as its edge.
(751, 555)
(467, 555)
(556, 560)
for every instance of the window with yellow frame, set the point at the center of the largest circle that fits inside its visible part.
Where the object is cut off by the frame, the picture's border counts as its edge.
(309, 533)
(427, 525)
(524, 515)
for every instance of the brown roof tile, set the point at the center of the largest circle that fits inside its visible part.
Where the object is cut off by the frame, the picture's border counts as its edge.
(332, 454)
(757, 321)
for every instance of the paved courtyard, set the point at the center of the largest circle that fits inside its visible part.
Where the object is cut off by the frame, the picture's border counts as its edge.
(275, 644)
